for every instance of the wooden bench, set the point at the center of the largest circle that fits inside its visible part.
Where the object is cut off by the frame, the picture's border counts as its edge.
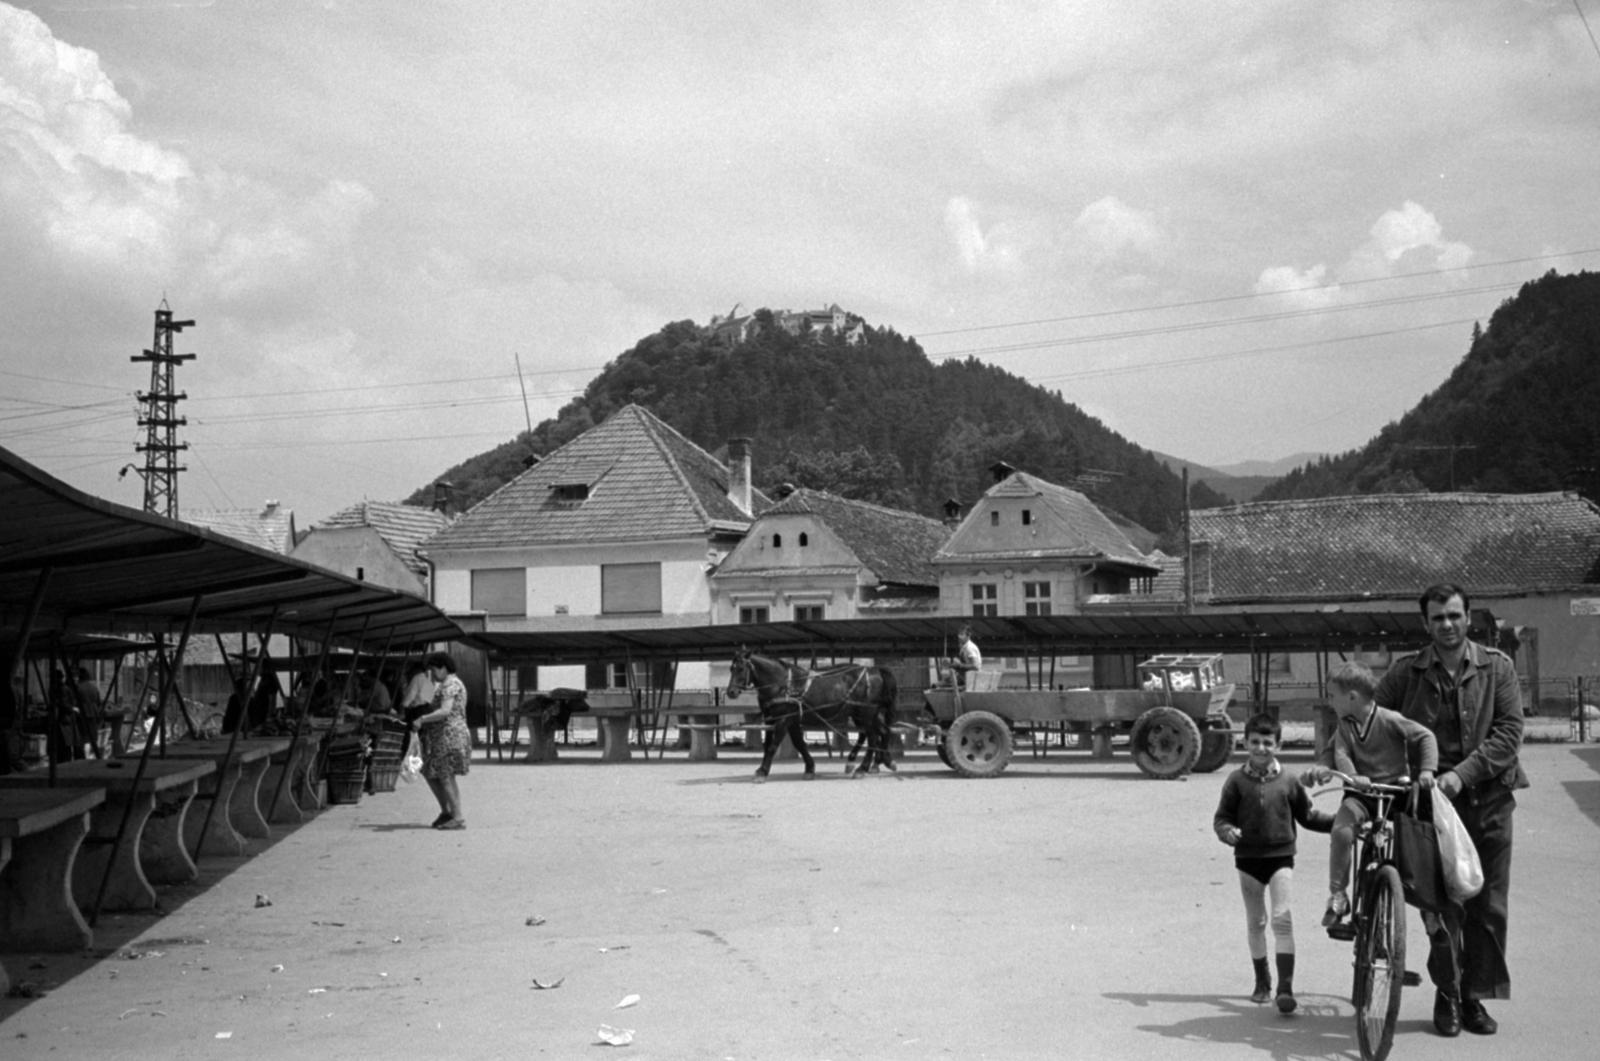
(234, 789)
(152, 848)
(40, 833)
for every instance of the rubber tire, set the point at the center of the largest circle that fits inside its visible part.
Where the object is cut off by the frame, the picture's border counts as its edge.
(1380, 944)
(944, 753)
(1216, 748)
(1165, 743)
(978, 744)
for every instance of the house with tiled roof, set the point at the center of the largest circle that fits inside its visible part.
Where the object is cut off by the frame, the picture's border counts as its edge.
(269, 527)
(1031, 547)
(375, 541)
(1533, 560)
(617, 529)
(814, 556)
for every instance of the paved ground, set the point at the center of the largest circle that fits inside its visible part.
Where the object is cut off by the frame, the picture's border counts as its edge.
(1069, 909)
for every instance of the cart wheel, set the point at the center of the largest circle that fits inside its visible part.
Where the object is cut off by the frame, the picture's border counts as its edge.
(944, 754)
(1216, 746)
(1165, 742)
(978, 744)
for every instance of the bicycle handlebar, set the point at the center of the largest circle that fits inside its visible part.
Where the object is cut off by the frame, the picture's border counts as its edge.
(1399, 789)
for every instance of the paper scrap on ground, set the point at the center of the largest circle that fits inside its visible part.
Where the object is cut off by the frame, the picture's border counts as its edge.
(552, 985)
(262, 900)
(224, 1035)
(631, 1000)
(534, 921)
(621, 946)
(615, 1036)
(277, 969)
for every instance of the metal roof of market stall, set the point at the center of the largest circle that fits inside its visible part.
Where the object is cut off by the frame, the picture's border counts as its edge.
(995, 635)
(97, 567)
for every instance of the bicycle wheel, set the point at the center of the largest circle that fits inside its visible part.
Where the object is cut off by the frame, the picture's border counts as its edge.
(1380, 963)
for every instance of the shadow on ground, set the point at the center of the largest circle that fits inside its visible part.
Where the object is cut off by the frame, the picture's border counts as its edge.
(1322, 1027)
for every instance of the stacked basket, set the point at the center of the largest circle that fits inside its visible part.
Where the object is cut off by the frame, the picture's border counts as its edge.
(346, 769)
(388, 749)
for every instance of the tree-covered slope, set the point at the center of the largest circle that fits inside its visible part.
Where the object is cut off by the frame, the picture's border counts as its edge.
(1520, 413)
(877, 421)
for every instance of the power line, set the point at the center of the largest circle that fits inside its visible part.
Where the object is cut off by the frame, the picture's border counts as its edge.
(1586, 28)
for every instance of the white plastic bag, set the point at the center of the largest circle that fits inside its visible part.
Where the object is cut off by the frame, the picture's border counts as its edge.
(411, 765)
(1463, 873)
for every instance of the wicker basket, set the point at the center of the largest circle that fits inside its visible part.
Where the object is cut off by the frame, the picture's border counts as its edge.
(383, 775)
(345, 784)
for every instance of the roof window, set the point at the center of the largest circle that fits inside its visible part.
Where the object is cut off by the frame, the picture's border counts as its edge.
(570, 493)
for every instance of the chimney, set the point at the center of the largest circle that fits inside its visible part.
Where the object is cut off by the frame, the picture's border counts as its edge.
(783, 490)
(270, 507)
(1001, 471)
(952, 513)
(441, 496)
(739, 473)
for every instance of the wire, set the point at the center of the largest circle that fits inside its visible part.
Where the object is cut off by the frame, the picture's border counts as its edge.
(1586, 28)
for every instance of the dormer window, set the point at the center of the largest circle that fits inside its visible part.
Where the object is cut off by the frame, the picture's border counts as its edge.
(570, 493)
(777, 541)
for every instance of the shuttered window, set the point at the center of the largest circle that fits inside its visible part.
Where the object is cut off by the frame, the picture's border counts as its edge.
(630, 589)
(500, 590)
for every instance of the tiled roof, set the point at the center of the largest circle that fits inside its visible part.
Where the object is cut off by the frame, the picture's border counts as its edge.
(403, 527)
(1393, 545)
(898, 546)
(266, 528)
(1169, 584)
(645, 482)
(1075, 527)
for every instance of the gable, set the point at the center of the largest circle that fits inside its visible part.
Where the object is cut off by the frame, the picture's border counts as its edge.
(896, 546)
(1060, 524)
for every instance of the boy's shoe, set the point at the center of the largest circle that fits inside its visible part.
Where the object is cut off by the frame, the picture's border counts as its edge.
(1338, 907)
(1263, 992)
(1286, 1000)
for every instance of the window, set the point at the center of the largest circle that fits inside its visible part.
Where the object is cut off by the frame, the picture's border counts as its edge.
(1036, 598)
(630, 589)
(777, 541)
(804, 613)
(753, 613)
(1027, 516)
(570, 493)
(994, 518)
(804, 541)
(1279, 663)
(985, 599)
(500, 591)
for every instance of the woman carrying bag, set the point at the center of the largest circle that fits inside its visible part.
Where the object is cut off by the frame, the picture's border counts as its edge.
(446, 740)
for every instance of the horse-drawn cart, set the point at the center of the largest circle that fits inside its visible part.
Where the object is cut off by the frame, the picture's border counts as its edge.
(1176, 721)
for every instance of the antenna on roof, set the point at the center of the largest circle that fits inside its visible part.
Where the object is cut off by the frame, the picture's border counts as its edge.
(532, 458)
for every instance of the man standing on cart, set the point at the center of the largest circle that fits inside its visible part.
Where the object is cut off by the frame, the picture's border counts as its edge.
(1469, 697)
(968, 658)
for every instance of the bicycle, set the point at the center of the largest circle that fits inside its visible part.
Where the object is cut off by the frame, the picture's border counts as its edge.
(1376, 924)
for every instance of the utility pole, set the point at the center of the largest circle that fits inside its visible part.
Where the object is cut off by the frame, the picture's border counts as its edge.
(1188, 550)
(159, 419)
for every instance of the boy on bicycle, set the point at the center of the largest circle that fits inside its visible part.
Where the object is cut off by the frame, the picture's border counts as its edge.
(1256, 817)
(1372, 744)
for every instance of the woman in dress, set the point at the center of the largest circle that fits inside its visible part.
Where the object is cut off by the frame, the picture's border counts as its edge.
(446, 740)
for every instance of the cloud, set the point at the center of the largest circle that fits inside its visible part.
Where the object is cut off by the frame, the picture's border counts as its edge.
(979, 250)
(1397, 234)
(1304, 290)
(1109, 228)
(94, 200)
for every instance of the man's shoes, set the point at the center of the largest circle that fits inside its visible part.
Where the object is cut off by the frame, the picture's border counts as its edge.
(1476, 1019)
(1447, 1014)
(1338, 906)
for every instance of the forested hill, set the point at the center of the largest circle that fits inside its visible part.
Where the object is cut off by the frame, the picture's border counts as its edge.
(1520, 414)
(877, 421)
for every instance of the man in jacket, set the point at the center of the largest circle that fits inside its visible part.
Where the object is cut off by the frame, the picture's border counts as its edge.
(1469, 696)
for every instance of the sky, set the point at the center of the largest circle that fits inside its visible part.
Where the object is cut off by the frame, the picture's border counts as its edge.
(1231, 232)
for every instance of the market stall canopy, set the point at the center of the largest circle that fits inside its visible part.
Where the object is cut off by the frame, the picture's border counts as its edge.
(98, 567)
(1015, 635)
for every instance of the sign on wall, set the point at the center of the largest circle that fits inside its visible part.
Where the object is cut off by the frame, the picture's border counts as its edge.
(1586, 606)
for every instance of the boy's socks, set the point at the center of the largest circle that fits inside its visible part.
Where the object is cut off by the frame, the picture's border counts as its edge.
(1263, 992)
(1286, 1001)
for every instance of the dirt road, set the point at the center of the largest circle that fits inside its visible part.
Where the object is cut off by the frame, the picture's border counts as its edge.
(1069, 909)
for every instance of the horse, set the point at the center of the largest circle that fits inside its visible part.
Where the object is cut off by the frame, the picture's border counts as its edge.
(792, 698)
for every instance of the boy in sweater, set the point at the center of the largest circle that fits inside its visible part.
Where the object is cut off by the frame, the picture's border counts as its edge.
(1372, 744)
(1256, 816)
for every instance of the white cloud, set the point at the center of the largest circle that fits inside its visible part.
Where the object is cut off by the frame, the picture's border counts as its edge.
(1303, 290)
(1398, 233)
(1108, 228)
(979, 249)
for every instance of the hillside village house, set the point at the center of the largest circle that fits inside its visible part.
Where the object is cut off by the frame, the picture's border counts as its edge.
(375, 541)
(617, 529)
(1533, 560)
(1029, 547)
(269, 527)
(813, 556)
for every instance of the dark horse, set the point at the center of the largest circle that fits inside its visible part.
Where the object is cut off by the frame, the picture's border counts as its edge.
(793, 698)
